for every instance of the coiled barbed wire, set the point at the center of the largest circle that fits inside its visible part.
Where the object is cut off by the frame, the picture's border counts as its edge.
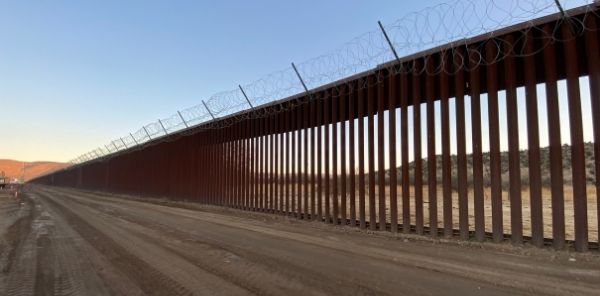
(446, 23)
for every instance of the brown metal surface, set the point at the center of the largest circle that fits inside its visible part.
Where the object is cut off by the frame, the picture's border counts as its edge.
(494, 134)
(313, 151)
(343, 176)
(392, 101)
(334, 157)
(294, 175)
(418, 162)
(361, 159)
(352, 159)
(514, 155)
(592, 49)
(319, 158)
(253, 165)
(282, 175)
(272, 165)
(554, 137)
(305, 176)
(463, 198)
(371, 93)
(533, 144)
(577, 149)
(327, 150)
(263, 165)
(288, 170)
(431, 153)
(381, 94)
(404, 143)
(299, 175)
(238, 168)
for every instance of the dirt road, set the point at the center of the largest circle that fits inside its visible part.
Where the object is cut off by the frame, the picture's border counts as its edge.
(67, 242)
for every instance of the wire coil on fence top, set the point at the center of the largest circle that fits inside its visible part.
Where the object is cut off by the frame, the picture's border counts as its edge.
(451, 22)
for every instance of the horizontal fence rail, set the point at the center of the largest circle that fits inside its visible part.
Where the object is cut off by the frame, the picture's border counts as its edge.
(429, 144)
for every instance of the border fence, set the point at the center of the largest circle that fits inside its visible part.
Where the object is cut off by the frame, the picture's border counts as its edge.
(359, 151)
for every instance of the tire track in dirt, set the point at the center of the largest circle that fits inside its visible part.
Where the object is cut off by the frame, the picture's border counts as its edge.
(148, 277)
(251, 268)
(273, 254)
(151, 281)
(256, 253)
(543, 275)
(293, 268)
(19, 271)
(72, 272)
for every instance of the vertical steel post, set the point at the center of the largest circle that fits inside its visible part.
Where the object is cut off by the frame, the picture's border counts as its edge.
(260, 165)
(294, 180)
(494, 133)
(306, 181)
(276, 165)
(463, 198)
(319, 122)
(478, 198)
(288, 179)
(577, 148)
(334, 156)
(371, 149)
(247, 164)
(556, 167)
(361, 156)
(282, 174)
(351, 143)
(533, 143)
(431, 154)
(254, 163)
(514, 157)
(327, 122)
(299, 175)
(404, 145)
(313, 161)
(272, 172)
(343, 114)
(592, 48)
(381, 93)
(392, 103)
(418, 172)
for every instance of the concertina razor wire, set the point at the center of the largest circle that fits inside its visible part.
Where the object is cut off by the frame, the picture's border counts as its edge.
(449, 22)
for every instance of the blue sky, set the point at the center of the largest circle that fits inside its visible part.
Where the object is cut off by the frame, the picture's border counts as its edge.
(76, 74)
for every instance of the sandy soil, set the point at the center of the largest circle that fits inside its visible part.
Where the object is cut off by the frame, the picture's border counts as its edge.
(67, 242)
(592, 210)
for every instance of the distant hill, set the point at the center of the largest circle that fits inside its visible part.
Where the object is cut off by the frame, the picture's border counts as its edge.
(14, 168)
(524, 162)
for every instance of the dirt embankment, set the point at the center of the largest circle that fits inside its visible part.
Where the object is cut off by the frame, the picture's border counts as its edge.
(29, 170)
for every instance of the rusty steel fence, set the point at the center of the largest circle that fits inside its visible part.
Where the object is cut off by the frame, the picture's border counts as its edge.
(363, 151)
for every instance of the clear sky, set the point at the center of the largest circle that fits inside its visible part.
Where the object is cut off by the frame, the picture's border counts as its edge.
(76, 74)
